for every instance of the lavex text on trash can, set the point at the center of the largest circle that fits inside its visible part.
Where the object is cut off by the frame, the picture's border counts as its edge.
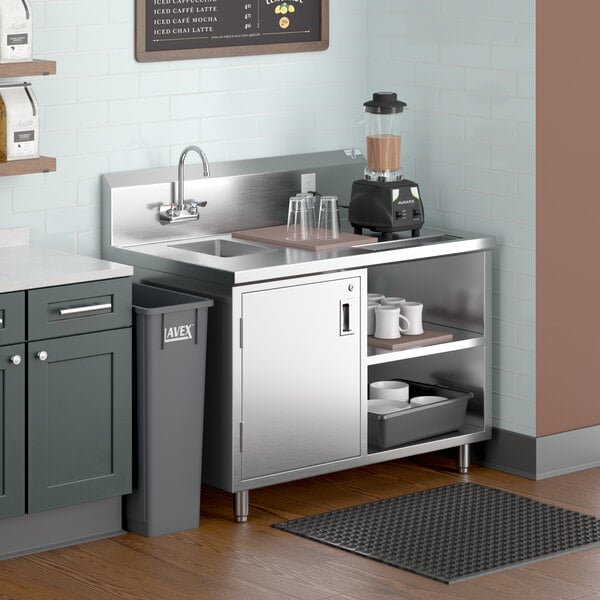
(178, 333)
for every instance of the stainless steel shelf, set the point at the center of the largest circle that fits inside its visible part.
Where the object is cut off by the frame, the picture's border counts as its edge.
(468, 434)
(461, 339)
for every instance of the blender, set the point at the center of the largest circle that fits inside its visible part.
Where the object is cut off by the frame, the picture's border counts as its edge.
(384, 201)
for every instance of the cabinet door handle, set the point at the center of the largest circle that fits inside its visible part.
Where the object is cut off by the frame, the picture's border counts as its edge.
(83, 309)
(347, 326)
(43, 355)
(16, 360)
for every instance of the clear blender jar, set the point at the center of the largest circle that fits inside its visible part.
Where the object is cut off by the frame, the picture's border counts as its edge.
(383, 116)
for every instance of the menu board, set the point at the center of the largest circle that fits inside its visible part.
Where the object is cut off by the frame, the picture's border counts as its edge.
(185, 29)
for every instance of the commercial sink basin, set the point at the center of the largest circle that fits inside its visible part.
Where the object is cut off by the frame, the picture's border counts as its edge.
(221, 248)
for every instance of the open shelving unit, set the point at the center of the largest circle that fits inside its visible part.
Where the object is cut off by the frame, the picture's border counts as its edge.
(43, 164)
(456, 299)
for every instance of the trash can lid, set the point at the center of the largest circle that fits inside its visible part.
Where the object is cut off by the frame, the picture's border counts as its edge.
(153, 300)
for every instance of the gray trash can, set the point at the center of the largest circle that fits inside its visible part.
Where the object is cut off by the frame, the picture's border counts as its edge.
(170, 363)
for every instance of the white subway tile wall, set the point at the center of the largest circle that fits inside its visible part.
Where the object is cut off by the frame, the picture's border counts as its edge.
(104, 111)
(466, 68)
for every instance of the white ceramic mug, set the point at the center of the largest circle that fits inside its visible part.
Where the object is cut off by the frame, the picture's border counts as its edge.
(389, 390)
(371, 317)
(388, 322)
(413, 311)
(393, 301)
(375, 297)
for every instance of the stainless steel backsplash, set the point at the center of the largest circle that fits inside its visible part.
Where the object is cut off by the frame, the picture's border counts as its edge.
(240, 194)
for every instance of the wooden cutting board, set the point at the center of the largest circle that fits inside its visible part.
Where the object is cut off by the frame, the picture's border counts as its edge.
(276, 235)
(428, 338)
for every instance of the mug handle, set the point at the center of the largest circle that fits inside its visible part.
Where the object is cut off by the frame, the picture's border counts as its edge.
(400, 318)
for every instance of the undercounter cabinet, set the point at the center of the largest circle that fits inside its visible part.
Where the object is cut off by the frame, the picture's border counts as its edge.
(65, 399)
(290, 363)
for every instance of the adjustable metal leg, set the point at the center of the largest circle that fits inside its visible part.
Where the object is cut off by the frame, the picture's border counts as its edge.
(241, 506)
(464, 458)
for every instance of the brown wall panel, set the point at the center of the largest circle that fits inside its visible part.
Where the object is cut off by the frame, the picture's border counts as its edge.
(568, 215)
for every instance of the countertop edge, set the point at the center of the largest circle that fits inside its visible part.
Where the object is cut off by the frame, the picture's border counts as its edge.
(336, 263)
(327, 262)
(28, 267)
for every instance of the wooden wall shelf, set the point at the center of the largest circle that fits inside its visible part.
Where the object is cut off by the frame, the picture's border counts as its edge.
(43, 164)
(29, 68)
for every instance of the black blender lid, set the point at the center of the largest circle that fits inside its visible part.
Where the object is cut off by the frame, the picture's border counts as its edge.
(384, 103)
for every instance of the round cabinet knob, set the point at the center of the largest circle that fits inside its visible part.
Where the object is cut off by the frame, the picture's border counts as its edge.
(16, 360)
(43, 355)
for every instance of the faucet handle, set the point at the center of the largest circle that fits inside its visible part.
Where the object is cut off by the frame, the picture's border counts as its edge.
(193, 205)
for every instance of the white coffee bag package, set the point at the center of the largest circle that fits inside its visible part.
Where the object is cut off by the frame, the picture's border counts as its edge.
(15, 31)
(19, 123)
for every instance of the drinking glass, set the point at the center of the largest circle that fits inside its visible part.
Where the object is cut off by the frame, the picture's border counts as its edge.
(297, 219)
(311, 218)
(328, 227)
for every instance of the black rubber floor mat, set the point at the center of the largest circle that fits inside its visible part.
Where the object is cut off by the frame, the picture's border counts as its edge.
(452, 533)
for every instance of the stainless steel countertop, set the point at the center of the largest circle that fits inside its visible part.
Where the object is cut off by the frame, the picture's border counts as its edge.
(282, 262)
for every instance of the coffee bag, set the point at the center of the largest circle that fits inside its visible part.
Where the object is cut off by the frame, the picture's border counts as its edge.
(19, 123)
(15, 31)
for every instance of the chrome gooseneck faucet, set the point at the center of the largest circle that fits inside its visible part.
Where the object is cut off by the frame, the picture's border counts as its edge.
(184, 210)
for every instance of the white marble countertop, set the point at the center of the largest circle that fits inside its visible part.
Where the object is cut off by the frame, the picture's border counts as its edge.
(24, 267)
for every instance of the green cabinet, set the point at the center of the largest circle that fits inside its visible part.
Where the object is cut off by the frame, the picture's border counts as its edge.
(79, 419)
(65, 401)
(12, 431)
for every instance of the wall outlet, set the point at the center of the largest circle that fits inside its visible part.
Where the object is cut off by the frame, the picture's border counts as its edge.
(308, 183)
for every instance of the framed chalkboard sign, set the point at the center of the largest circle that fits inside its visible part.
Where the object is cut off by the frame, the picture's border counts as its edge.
(185, 29)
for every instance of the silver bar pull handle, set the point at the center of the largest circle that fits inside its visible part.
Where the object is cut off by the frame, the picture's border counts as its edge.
(83, 309)
(347, 325)
(1, 321)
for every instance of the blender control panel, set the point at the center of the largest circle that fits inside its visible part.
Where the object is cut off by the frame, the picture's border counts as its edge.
(408, 210)
(408, 215)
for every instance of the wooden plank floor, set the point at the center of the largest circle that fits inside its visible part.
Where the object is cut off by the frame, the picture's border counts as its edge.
(222, 560)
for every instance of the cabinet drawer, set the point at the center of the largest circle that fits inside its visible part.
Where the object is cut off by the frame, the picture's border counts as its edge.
(12, 318)
(79, 308)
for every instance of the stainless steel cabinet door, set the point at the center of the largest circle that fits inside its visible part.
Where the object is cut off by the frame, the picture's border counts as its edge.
(300, 376)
